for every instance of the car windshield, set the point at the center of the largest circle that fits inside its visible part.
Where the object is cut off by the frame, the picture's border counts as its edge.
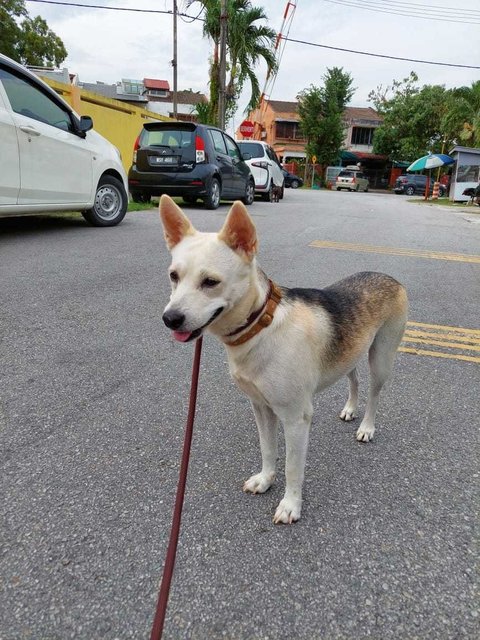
(347, 174)
(178, 138)
(253, 148)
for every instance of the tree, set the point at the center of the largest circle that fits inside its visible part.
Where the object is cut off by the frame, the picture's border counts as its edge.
(28, 40)
(429, 118)
(247, 43)
(461, 123)
(321, 115)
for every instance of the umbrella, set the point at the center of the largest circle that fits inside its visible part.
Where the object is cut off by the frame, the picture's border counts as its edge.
(431, 161)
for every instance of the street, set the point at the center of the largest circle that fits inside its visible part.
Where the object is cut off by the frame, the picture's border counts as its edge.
(93, 404)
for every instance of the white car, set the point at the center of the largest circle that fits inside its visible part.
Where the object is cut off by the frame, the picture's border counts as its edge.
(264, 165)
(351, 179)
(50, 158)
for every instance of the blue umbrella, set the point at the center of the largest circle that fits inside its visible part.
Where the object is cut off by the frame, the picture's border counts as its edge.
(431, 161)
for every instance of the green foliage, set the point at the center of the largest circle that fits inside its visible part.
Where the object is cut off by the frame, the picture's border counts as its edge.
(247, 43)
(421, 119)
(321, 115)
(28, 40)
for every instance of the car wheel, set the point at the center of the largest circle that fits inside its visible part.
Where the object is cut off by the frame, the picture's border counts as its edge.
(212, 199)
(366, 190)
(139, 196)
(190, 199)
(295, 184)
(410, 191)
(110, 204)
(249, 196)
(441, 193)
(338, 188)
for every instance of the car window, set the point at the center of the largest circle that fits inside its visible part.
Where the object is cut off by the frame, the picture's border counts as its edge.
(174, 138)
(232, 148)
(253, 148)
(218, 141)
(272, 155)
(346, 174)
(28, 100)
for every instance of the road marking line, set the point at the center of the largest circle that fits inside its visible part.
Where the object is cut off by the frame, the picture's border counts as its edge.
(448, 338)
(445, 336)
(439, 354)
(442, 343)
(442, 327)
(366, 248)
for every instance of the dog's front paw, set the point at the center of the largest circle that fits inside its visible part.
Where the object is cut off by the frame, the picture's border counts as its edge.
(365, 432)
(259, 483)
(288, 511)
(348, 413)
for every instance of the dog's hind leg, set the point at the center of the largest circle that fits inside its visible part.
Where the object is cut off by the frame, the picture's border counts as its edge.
(381, 357)
(268, 432)
(349, 411)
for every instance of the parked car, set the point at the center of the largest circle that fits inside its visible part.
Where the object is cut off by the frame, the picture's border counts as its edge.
(291, 180)
(51, 159)
(409, 184)
(264, 165)
(189, 160)
(352, 179)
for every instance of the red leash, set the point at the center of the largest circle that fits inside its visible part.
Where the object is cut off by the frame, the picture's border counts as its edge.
(159, 620)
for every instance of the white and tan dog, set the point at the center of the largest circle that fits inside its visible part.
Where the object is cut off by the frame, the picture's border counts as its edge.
(283, 345)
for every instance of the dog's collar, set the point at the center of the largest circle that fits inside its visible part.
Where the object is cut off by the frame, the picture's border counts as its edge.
(259, 319)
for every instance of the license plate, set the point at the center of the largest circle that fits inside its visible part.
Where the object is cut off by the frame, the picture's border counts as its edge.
(163, 160)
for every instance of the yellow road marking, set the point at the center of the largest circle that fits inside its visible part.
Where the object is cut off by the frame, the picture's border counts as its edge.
(439, 354)
(442, 327)
(442, 343)
(451, 341)
(447, 336)
(367, 248)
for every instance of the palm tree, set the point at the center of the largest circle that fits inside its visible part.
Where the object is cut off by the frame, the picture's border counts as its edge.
(247, 44)
(462, 119)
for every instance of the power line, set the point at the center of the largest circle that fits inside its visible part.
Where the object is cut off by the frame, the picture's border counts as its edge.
(404, 13)
(428, 7)
(379, 55)
(312, 44)
(101, 6)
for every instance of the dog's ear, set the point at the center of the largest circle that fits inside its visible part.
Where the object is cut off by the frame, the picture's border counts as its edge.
(176, 225)
(239, 232)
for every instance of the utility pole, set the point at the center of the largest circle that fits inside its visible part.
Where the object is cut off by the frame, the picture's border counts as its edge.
(222, 70)
(174, 61)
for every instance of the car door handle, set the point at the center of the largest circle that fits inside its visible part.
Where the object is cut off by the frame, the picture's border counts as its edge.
(31, 131)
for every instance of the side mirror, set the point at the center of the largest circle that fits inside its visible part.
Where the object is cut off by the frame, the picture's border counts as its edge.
(85, 124)
(247, 156)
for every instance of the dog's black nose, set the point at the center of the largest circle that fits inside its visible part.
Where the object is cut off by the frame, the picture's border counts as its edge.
(173, 319)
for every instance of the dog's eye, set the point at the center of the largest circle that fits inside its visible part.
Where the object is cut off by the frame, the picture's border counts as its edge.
(209, 283)
(173, 276)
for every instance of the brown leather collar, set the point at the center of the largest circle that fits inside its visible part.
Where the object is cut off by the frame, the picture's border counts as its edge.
(260, 319)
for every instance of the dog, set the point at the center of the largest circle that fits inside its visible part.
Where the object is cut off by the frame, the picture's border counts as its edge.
(276, 191)
(283, 345)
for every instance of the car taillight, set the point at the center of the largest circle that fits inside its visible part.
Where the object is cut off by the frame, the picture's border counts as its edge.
(135, 147)
(199, 150)
(353, 180)
(261, 163)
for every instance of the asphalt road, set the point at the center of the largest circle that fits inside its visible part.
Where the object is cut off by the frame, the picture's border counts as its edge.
(93, 401)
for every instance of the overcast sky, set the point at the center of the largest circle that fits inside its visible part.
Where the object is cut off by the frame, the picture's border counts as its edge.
(110, 45)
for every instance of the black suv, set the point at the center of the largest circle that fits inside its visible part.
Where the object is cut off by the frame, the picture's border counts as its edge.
(190, 160)
(411, 184)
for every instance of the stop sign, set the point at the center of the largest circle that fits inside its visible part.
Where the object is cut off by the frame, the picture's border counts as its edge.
(246, 128)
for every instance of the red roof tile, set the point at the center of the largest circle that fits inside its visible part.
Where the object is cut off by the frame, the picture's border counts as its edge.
(151, 83)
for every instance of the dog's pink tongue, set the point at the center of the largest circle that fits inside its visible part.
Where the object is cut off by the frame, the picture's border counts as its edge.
(182, 336)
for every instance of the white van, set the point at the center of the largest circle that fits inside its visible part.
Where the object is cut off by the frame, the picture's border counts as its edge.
(264, 165)
(50, 158)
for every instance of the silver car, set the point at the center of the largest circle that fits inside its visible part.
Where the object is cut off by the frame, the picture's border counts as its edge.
(352, 179)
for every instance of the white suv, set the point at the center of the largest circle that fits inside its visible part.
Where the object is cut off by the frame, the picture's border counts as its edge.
(50, 158)
(264, 165)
